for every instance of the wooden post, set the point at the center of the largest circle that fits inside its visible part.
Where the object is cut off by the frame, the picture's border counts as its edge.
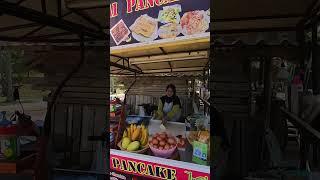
(8, 73)
(315, 62)
(268, 90)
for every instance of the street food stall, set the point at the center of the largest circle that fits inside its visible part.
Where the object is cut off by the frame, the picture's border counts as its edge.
(154, 44)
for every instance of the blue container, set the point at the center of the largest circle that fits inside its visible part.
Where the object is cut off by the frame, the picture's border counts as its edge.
(3, 120)
(134, 119)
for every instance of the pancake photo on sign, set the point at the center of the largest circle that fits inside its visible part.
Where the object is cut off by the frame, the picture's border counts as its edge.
(145, 29)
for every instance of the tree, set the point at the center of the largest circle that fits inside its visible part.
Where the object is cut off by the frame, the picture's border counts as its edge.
(10, 64)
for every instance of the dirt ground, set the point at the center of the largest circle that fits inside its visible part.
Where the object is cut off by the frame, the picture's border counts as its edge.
(37, 110)
(31, 100)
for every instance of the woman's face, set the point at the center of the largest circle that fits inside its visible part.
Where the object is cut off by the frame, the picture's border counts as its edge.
(169, 92)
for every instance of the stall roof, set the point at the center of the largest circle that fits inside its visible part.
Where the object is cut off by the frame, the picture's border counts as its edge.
(232, 16)
(246, 22)
(54, 21)
(191, 61)
(251, 22)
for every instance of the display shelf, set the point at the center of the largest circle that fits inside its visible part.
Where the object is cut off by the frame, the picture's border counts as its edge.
(16, 166)
(124, 162)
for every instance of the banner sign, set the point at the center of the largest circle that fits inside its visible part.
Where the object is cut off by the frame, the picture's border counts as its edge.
(145, 21)
(149, 167)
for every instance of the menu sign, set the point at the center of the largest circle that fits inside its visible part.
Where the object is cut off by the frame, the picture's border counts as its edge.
(143, 21)
(156, 170)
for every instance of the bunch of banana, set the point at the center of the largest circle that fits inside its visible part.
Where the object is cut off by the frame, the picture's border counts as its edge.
(137, 133)
(133, 132)
(144, 135)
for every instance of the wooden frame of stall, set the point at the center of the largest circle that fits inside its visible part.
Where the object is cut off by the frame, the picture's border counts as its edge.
(165, 57)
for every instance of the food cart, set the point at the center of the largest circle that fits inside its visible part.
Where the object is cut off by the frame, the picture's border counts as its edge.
(152, 45)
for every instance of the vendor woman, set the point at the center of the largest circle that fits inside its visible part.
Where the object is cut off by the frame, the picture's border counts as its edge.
(169, 108)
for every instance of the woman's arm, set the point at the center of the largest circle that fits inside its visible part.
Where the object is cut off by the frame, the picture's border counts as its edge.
(160, 110)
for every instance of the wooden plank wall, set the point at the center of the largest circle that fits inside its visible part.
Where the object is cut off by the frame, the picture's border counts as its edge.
(150, 89)
(134, 100)
(156, 86)
(81, 109)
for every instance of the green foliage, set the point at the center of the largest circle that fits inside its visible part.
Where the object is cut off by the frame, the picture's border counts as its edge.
(12, 69)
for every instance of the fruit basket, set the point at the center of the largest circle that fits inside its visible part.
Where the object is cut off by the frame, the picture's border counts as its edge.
(163, 153)
(140, 151)
(135, 139)
(163, 145)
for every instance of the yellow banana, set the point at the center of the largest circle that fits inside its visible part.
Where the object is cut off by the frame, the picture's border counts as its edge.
(131, 129)
(145, 137)
(142, 135)
(136, 134)
(129, 132)
(147, 132)
(142, 141)
(125, 134)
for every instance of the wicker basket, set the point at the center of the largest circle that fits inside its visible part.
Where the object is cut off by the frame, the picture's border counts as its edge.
(141, 151)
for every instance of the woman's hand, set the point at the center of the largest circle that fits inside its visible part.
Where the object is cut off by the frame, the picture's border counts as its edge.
(164, 120)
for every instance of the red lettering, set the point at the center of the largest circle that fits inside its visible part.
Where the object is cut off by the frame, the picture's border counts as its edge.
(130, 5)
(149, 3)
(140, 5)
(141, 168)
(114, 10)
(115, 163)
(158, 2)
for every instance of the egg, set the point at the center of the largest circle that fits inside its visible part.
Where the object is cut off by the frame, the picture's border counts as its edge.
(171, 141)
(163, 136)
(167, 146)
(162, 143)
(155, 146)
(159, 138)
(155, 141)
(171, 146)
(161, 148)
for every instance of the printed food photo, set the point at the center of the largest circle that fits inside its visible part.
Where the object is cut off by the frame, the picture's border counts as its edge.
(119, 32)
(145, 28)
(194, 22)
(170, 30)
(170, 14)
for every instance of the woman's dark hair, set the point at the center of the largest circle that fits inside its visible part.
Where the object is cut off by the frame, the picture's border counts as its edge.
(173, 87)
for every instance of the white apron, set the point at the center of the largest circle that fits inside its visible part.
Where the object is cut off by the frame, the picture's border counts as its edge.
(167, 107)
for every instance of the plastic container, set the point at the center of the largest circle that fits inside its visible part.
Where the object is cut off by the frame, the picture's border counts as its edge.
(163, 153)
(133, 119)
(183, 154)
(9, 143)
